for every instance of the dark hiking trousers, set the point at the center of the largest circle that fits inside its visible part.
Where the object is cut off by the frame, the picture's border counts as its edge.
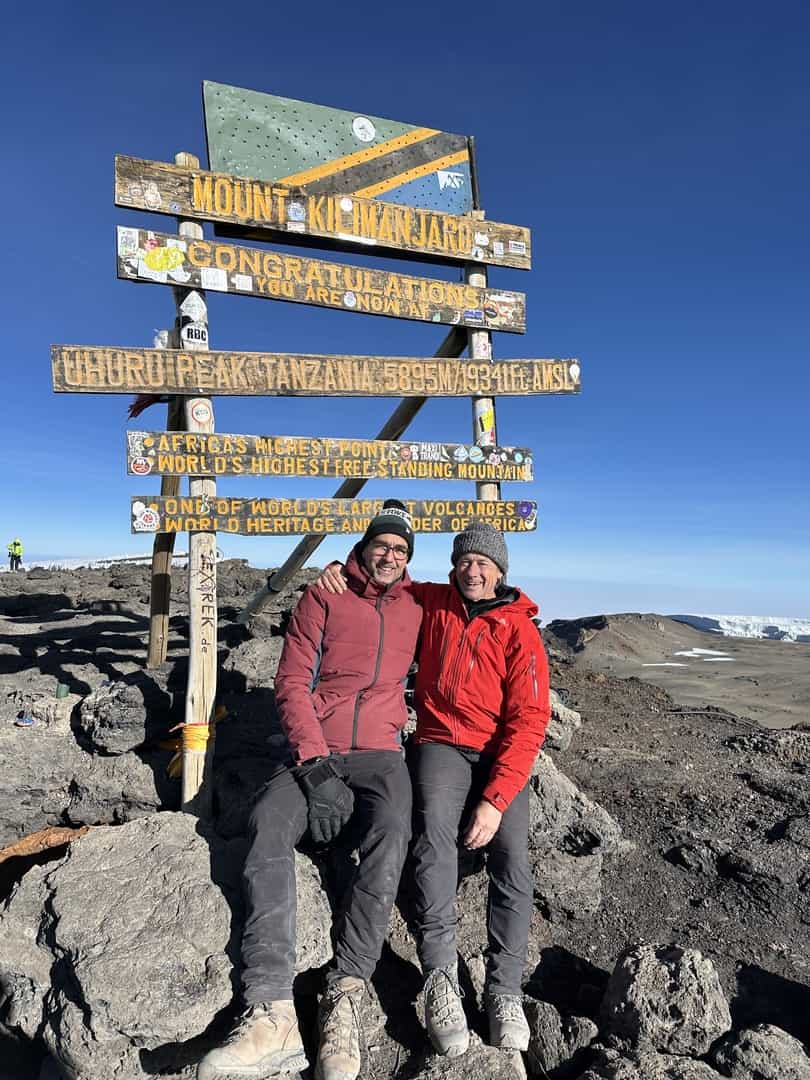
(379, 829)
(447, 786)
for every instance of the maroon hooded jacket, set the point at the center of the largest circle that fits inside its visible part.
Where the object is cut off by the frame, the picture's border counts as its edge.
(340, 680)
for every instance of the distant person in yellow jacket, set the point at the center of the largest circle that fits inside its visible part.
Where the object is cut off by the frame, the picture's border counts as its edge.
(15, 551)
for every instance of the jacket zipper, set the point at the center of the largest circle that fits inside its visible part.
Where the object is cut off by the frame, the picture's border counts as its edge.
(476, 643)
(533, 670)
(356, 718)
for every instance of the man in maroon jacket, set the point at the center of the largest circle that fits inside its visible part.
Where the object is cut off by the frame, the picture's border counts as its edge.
(339, 691)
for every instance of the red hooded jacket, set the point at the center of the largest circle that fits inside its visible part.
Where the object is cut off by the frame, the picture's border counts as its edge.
(483, 683)
(340, 680)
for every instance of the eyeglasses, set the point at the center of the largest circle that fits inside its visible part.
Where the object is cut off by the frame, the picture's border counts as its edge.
(397, 550)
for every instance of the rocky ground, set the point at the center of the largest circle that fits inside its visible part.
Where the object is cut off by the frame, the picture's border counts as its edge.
(670, 839)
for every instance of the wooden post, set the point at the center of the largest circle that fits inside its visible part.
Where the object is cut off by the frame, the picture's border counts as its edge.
(483, 408)
(162, 551)
(192, 314)
(453, 345)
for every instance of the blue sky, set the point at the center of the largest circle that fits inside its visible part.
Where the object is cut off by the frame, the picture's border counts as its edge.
(659, 154)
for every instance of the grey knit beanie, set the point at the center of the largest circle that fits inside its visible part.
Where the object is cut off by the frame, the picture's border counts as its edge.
(393, 518)
(483, 539)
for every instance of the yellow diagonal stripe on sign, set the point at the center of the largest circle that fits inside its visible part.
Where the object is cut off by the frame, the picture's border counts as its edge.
(412, 174)
(357, 158)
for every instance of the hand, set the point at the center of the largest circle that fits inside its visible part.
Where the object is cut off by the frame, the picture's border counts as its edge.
(486, 821)
(332, 579)
(329, 801)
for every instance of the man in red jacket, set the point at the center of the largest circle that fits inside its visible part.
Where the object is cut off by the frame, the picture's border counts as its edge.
(339, 691)
(482, 707)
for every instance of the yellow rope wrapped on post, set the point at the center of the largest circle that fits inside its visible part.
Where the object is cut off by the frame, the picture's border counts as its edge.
(193, 738)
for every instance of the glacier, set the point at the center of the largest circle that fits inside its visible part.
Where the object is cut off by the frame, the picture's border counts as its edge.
(775, 627)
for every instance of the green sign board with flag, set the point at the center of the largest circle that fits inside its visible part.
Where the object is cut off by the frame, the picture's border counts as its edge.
(325, 151)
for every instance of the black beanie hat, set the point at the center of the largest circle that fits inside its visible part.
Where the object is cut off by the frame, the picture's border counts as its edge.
(482, 538)
(393, 518)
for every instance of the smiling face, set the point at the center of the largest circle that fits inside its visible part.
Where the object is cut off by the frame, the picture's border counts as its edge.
(477, 576)
(385, 557)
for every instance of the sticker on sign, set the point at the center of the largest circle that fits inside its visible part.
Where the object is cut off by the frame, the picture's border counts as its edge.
(449, 179)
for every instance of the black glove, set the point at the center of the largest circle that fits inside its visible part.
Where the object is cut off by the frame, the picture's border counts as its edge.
(330, 802)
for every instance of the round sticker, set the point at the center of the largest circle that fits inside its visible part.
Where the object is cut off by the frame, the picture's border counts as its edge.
(296, 211)
(524, 509)
(476, 454)
(363, 129)
(147, 520)
(460, 453)
(349, 299)
(346, 205)
(141, 466)
(201, 412)
(518, 457)
(574, 372)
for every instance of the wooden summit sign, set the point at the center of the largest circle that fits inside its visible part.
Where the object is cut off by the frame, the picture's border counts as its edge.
(284, 517)
(149, 256)
(340, 219)
(183, 453)
(98, 369)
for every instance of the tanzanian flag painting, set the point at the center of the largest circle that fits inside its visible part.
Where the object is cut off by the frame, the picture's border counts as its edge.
(328, 151)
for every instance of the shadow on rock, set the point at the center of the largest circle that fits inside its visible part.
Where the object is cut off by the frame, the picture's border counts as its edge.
(572, 984)
(765, 998)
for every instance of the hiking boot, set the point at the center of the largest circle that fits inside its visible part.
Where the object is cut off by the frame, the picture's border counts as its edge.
(264, 1042)
(339, 1024)
(508, 1027)
(444, 1014)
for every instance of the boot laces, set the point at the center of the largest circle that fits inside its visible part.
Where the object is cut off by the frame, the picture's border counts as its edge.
(444, 999)
(507, 1008)
(245, 1021)
(340, 1027)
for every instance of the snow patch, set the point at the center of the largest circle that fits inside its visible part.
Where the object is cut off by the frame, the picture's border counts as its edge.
(695, 654)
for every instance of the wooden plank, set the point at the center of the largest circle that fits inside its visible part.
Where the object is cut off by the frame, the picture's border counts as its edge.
(181, 453)
(483, 407)
(160, 588)
(160, 258)
(292, 517)
(196, 790)
(101, 369)
(255, 206)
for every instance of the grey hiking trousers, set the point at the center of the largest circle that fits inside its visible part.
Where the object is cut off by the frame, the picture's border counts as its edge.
(447, 786)
(379, 829)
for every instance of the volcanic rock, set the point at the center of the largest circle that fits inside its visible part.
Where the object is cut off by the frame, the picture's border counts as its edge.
(563, 724)
(569, 835)
(126, 944)
(556, 1041)
(666, 999)
(764, 1052)
(613, 1066)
